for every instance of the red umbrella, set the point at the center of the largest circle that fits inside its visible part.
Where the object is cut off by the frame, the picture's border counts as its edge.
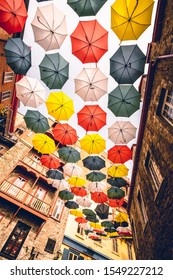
(65, 134)
(114, 202)
(79, 191)
(50, 161)
(119, 154)
(91, 117)
(13, 15)
(81, 220)
(99, 197)
(89, 41)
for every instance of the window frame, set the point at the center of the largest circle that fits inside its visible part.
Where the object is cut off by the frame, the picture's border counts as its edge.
(143, 213)
(7, 75)
(129, 251)
(115, 247)
(58, 200)
(8, 93)
(50, 245)
(169, 105)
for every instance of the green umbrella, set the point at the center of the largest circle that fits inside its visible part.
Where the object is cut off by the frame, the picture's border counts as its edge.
(127, 64)
(36, 121)
(95, 176)
(93, 162)
(66, 195)
(124, 100)
(115, 192)
(54, 70)
(71, 204)
(86, 7)
(92, 219)
(69, 154)
(55, 174)
(117, 182)
(88, 212)
(107, 224)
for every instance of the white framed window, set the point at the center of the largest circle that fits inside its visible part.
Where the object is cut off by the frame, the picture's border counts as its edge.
(72, 256)
(58, 208)
(115, 245)
(80, 230)
(144, 218)
(167, 107)
(129, 251)
(8, 77)
(5, 95)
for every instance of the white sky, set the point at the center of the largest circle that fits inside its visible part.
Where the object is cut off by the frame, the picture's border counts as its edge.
(75, 65)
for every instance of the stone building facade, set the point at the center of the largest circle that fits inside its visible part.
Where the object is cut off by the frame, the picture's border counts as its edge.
(150, 204)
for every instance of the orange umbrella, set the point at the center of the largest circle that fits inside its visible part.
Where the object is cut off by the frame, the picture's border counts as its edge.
(119, 154)
(79, 191)
(99, 197)
(65, 134)
(50, 161)
(81, 220)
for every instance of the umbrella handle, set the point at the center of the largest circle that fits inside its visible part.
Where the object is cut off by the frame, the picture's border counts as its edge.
(38, 18)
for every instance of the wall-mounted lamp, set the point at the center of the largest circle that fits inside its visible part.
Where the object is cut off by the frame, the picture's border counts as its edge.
(58, 255)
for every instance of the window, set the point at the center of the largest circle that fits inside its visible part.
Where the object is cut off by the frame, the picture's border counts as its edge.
(8, 77)
(134, 233)
(58, 208)
(142, 209)
(80, 230)
(115, 245)
(5, 95)
(167, 107)
(129, 251)
(15, 241)
(50, 245)
(72, 256)
(18, 184)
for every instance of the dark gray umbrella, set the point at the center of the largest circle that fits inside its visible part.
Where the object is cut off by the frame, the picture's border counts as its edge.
(93, 162)
(69, 154)
(115, 192)
(102, 210)
(18, 55)
(54, 70)
(127, 64)
(54, 174)
(117, 182)
(95, 176)
(86, 7)
(36, 121)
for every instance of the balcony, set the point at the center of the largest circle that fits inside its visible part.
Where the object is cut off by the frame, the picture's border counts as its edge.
(36, 165)
(24, 199)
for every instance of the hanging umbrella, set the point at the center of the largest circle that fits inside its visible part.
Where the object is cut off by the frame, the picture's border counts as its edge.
(99, 197)
(42, 0)
(96, 186)
(95, 237)
(86, 7)
(83, 201)
(76, 212)
(95, 176)
(89, 41)
(113, 235)
(122, 224)
(60, 106)
(72, 169)
(50, 161)
(79, 191)
(113, 202)
(66, 195)
(36, 121)
(54, 70)
(88, 212)
(118, 170)
(18, 55)
(115, 192)
(86, 227)
(107, 224)
(92, 219)
(91, 84)
(76, 181)
(81, 220)
(110, 229)
(124, 100)
(122, 132)
(54, 174)
(117, 182)
(93, 162)
(124, 231)
(129, 19)
(65, 134)
(30, 92)
(61, 185)
(96, 226)
(127, 64)
(43, 143)
(13, 15)
(91, 117)
(121, 217)
(93, 143)
(119, 154)
(100, 232)
(49, 27)
(69, 154)
(102, 211)
(71, 204)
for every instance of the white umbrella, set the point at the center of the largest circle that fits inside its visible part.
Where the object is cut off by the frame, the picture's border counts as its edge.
(61, 185)
(83, 201)
(30, 92)
(72, 169)
(97, 186)
(122, 132)
(49, 27)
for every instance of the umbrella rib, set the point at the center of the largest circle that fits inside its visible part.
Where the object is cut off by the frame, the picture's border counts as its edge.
(143, 11)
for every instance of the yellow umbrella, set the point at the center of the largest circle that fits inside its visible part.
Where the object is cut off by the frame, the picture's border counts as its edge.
(95, 225)
(121, 217)
(76, 181)
(93, 143)
(60, 106)
(112, 234)
(76, 212)
(118, 170)
(130, 18)
(43, 143)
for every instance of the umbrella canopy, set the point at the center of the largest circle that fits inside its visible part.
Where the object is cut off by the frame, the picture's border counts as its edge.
(86, 7)
(122, 132)
(79, 191)
(65, 195)
(115, 192)
(36, 121)
(81, 220)
(96, 226)
(30, 92)
(96, 186)
(49, 27)
(102, 211)
(91, 84)
(72, 169)
(92, 219)
(71, 204)
(69, 154)
(54, 174)
(18, 55)
(124, 100)
(76, 181)
(93, 143)
(65, 134)
(88, 212)
(119, 154)
(113, 202)
(99, 197)
(89, 41)
(121, 217)
(91, 117)
(93, 162)
(127, 64)
(110, 229)
(124, 231)
(83, 201)
(43, 143)
(61, 185)
(54, 70)
(95, 176)
(60, 106)
(50, 161)
(13, 15)
(117, 182)
(129, 19)
(76, 212)
(118, 170)
(107, 224)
